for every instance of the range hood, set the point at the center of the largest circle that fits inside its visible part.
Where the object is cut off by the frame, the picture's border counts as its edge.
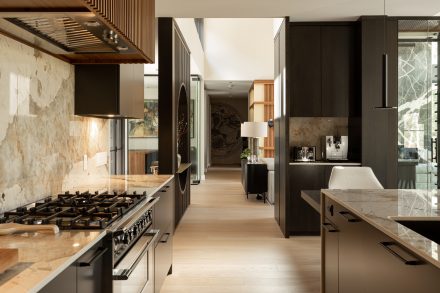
(111, 91)
(64, 33)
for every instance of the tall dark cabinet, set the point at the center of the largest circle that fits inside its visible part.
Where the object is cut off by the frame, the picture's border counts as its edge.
(323, 73)
(174, 100)
(379, 127)
(323, 68)
(281, 125)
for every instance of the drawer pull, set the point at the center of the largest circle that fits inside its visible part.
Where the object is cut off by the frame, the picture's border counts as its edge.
(329, 227)
(100, 252)
(411, 262)
(162, 240)
(349, 217)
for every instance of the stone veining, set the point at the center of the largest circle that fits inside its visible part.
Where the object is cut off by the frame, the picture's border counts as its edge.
(41, 142)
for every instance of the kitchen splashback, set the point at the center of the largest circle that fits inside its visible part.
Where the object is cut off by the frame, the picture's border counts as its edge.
(42, 143)
(308, 131)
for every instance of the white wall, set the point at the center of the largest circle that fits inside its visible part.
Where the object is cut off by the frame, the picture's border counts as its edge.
(239, 49)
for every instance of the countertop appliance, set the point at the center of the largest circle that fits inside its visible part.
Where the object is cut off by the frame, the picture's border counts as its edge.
(304, 153)
(128, 216)
(336, 147)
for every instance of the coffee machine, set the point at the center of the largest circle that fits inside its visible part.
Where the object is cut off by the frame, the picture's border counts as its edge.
(336, 147)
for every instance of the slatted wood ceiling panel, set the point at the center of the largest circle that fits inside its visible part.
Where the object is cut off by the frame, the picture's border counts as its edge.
(127, 16)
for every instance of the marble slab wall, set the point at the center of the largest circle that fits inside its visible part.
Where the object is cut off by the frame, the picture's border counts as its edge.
(309, 131)
(42, 143)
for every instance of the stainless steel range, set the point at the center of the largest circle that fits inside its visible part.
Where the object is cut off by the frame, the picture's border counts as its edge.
(128, 216)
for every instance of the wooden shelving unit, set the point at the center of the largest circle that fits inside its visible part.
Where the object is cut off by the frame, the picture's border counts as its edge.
(261, 108)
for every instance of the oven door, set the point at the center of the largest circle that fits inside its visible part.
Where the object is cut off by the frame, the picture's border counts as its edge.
(135, 272)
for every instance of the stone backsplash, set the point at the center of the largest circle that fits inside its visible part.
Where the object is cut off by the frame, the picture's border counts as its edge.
(309, 131)
(42, 143)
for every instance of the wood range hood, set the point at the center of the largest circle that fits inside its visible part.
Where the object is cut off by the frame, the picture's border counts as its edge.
(83, 31)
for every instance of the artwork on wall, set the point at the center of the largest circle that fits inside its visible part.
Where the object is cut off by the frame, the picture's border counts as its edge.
(149, 126)
(225, 131)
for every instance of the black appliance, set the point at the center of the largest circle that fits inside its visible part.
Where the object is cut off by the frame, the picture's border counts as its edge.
(304, 153)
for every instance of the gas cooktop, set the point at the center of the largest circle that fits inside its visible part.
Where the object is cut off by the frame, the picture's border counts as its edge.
(76, 211)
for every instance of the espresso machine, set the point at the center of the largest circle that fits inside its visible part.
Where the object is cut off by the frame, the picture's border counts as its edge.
(336, 147)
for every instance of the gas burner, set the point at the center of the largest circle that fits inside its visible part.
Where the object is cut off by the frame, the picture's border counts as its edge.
(76, 210)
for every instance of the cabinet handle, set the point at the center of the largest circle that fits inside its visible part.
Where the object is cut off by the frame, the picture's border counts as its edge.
(411, 262)
(349, 217)
(97, 256)
(163, 190)
(329, 227)
(166, 239)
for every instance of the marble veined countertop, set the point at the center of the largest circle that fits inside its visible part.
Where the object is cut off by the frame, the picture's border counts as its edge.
(43, 256)
(379, 207)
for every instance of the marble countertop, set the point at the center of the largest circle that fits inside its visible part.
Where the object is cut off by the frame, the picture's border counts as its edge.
(379, 207)
(43, 256)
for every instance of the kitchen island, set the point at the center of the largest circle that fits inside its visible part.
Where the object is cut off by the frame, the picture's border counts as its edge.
(43, 257)
(368, 247)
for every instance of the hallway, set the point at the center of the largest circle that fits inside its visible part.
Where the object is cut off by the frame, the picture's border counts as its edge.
(228, 244)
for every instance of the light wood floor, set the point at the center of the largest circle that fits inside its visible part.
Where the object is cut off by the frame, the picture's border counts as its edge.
(226, 243)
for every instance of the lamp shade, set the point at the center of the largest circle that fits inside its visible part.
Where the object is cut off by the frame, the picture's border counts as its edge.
(246, 130)
(254, 129)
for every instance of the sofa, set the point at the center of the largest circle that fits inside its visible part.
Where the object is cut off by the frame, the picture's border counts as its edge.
(270, 179)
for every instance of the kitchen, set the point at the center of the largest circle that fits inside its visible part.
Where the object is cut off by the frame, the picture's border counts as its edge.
(60, 156)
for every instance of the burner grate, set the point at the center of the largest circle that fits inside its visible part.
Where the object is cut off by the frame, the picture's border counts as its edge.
(76, 211)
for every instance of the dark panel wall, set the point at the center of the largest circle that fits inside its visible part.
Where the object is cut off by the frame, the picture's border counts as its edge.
(281, 121)
(226, 116)
(379, 127)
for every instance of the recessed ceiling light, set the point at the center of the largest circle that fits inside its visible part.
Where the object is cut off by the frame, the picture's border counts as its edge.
(122, 48)
(92, 23)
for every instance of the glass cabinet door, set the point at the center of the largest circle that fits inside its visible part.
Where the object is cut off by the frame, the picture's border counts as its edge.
(418, 104)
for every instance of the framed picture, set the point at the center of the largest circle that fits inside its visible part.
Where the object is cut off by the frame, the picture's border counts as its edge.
(149, 126)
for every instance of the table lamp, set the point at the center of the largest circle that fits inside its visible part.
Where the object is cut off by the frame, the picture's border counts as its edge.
(253, 131)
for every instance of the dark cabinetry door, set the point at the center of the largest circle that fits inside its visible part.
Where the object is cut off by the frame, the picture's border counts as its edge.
(352, 260)
(389, 274)
(305, 45)
(369, 261)
(303, 219)
(65, 282)
(164, 221)
(330, 261)
(256, 178)
(338, 66)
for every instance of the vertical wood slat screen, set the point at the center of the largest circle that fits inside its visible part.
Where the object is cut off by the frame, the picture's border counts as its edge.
(134, 19)
(269, 141)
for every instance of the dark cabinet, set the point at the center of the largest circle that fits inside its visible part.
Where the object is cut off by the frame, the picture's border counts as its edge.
(164, 222)
(330, 261)
(91, 273)
(305, 43)
(323, 69)
(338, 69)
(303, 219)
(254, 178)
(367, 260)
(109, 90)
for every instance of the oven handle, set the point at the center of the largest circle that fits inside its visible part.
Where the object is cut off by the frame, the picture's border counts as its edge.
(124, 274)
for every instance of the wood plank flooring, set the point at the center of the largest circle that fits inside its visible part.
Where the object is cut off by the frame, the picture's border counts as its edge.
(226, 243)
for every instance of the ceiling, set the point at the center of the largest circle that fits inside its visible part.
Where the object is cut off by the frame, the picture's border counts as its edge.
(227, 88)
(297, 10)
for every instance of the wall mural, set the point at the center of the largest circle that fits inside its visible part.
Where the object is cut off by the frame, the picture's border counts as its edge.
(149, 126)
(225, 131)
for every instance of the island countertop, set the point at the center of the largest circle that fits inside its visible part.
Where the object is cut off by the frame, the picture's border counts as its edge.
(43, 256)
(379, 207)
